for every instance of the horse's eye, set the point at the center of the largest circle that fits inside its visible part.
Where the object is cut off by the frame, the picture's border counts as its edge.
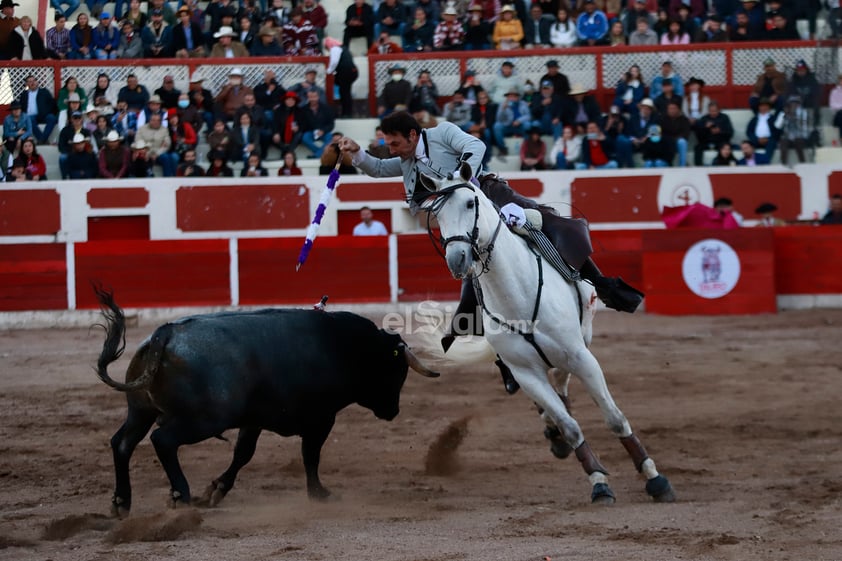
(471, 205)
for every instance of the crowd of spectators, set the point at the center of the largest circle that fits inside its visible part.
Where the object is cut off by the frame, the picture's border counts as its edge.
(128, 130)
(658, 121)
(223, 28)
(125, 131)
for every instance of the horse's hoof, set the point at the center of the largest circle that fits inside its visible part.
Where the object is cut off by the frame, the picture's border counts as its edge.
(660, 489)
(602, 494)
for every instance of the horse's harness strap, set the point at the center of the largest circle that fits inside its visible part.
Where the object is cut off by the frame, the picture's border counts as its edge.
(529, 336)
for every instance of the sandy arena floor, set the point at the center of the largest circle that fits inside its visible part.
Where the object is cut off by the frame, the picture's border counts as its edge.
(741, 413)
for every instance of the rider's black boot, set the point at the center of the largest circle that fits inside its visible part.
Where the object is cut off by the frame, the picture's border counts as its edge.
(468, 317)
(613, 291)
(509, 381)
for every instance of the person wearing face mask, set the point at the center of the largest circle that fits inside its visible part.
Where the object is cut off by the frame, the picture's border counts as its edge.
(396, 94)
(597, 150)
(657, 151)
(232, 96)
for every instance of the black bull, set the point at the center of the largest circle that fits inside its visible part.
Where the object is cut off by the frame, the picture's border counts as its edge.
(286, 371)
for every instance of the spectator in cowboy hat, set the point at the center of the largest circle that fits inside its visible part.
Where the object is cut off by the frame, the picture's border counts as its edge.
(114, 157)
(580, 107)
(188, 40)
(153, 107)
(65, 140)
(477, 29)
(695, 103)
(16, 125)
(202, 99)
(81, 162)
(226, 46)
(267, 43)
(232, 95)
(396, 94)
(140, 165)
(508, 31)
(8, 23)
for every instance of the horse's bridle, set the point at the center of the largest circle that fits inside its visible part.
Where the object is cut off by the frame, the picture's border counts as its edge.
(472, 237)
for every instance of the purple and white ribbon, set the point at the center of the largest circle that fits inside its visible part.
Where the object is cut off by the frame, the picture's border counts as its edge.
(324, 200)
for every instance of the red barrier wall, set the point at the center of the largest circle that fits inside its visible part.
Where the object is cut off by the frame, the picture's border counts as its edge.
(155, 273)
(792, 260)
(807, 260)
(33, 277)
(346, 268)
(422, 272)
(668, 293)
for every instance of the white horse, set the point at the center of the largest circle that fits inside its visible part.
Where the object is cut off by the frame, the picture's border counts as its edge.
(539, 323)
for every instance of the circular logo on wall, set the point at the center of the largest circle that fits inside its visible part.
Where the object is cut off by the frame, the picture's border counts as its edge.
(711, 268)
(685, 194)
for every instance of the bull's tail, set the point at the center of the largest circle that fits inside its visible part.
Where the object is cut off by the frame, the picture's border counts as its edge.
(115, 344)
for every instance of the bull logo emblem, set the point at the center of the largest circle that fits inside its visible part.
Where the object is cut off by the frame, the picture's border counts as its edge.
(711, 265)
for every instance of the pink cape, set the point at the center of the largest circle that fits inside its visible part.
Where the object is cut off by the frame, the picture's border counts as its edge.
(698, 215)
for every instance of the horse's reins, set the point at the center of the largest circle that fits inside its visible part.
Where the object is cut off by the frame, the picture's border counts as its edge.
(472, 237)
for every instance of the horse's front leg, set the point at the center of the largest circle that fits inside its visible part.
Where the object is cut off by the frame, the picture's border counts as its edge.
(558, 445)
(585, 367)
(536, 385)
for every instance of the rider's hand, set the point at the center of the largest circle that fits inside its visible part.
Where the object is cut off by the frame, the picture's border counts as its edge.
(348, 145)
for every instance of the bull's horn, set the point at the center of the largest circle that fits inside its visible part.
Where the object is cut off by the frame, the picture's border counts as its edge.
(416, 365)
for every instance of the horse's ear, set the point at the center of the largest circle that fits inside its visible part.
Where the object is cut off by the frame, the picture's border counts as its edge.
(428, 183)
(466, 172)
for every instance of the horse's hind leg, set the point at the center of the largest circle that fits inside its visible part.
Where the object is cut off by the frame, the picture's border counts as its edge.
(591, 375)
(536, 385)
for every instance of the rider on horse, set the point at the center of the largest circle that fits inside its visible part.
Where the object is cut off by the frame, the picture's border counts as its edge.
(438, 152)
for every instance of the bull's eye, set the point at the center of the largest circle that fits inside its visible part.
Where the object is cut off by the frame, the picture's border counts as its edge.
(471, 205)
(395, 352)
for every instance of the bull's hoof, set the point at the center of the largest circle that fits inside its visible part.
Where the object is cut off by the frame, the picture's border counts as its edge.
(119, 507)
(213, 495)
(318, 494)
(177, 500)
(602, 494)
(660, 489)
(447, 342)
(558, 446)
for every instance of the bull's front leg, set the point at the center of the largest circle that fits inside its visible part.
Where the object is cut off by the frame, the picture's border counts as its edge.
(312, 441)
